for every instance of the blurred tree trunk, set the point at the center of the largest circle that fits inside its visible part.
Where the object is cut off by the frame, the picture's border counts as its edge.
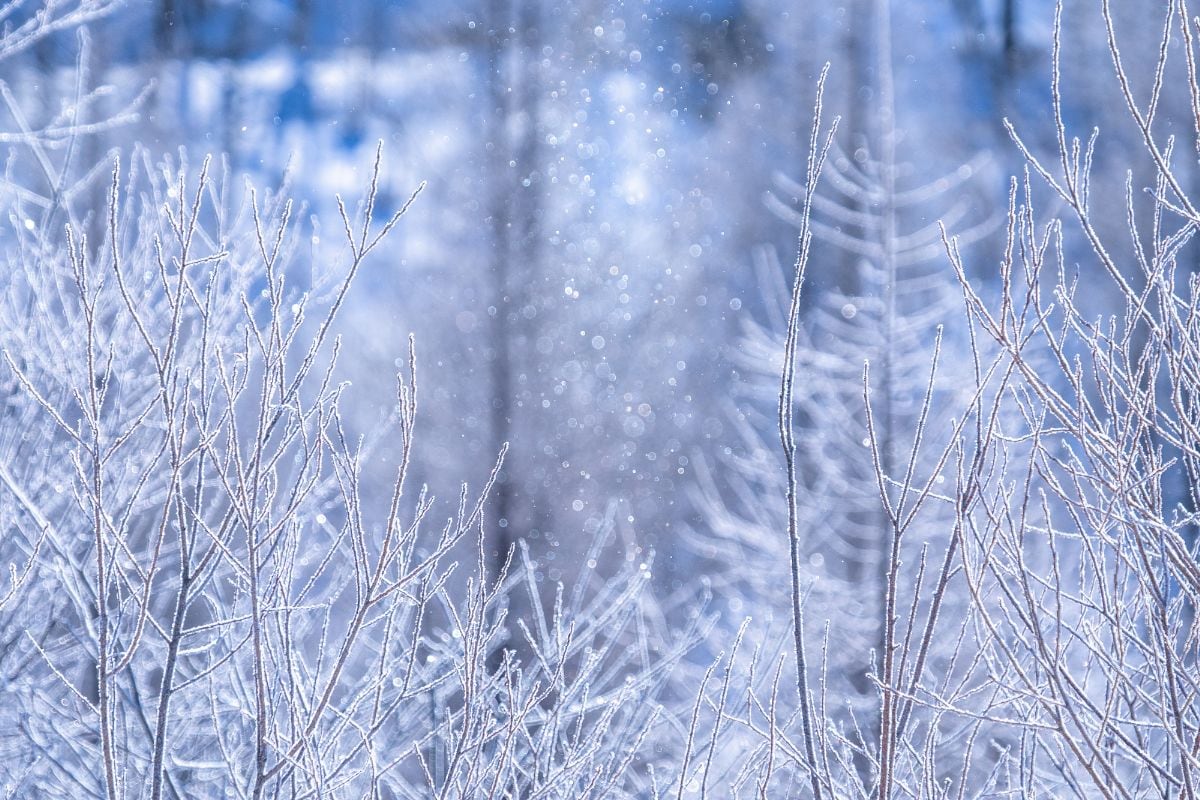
(231, 116)
(1008, 24)
(514, 41)
(857, 120)
(164, 28)
(528, 299)
(515, 187)
(972, 14)
(171, 45)
(301, 29)
(499, 184)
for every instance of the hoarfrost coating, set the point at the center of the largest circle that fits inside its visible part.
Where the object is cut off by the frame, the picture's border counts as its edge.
(587, 399)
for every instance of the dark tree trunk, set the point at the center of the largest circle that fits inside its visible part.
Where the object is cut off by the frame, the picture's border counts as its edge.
(515, 199)
(499, 178)
(1008, 24)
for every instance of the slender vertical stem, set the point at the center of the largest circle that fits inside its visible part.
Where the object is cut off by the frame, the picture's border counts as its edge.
(89, 299)
(889, 563)
(816, 160)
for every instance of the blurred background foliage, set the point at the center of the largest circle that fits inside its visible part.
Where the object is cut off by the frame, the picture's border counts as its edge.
(581, 271)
